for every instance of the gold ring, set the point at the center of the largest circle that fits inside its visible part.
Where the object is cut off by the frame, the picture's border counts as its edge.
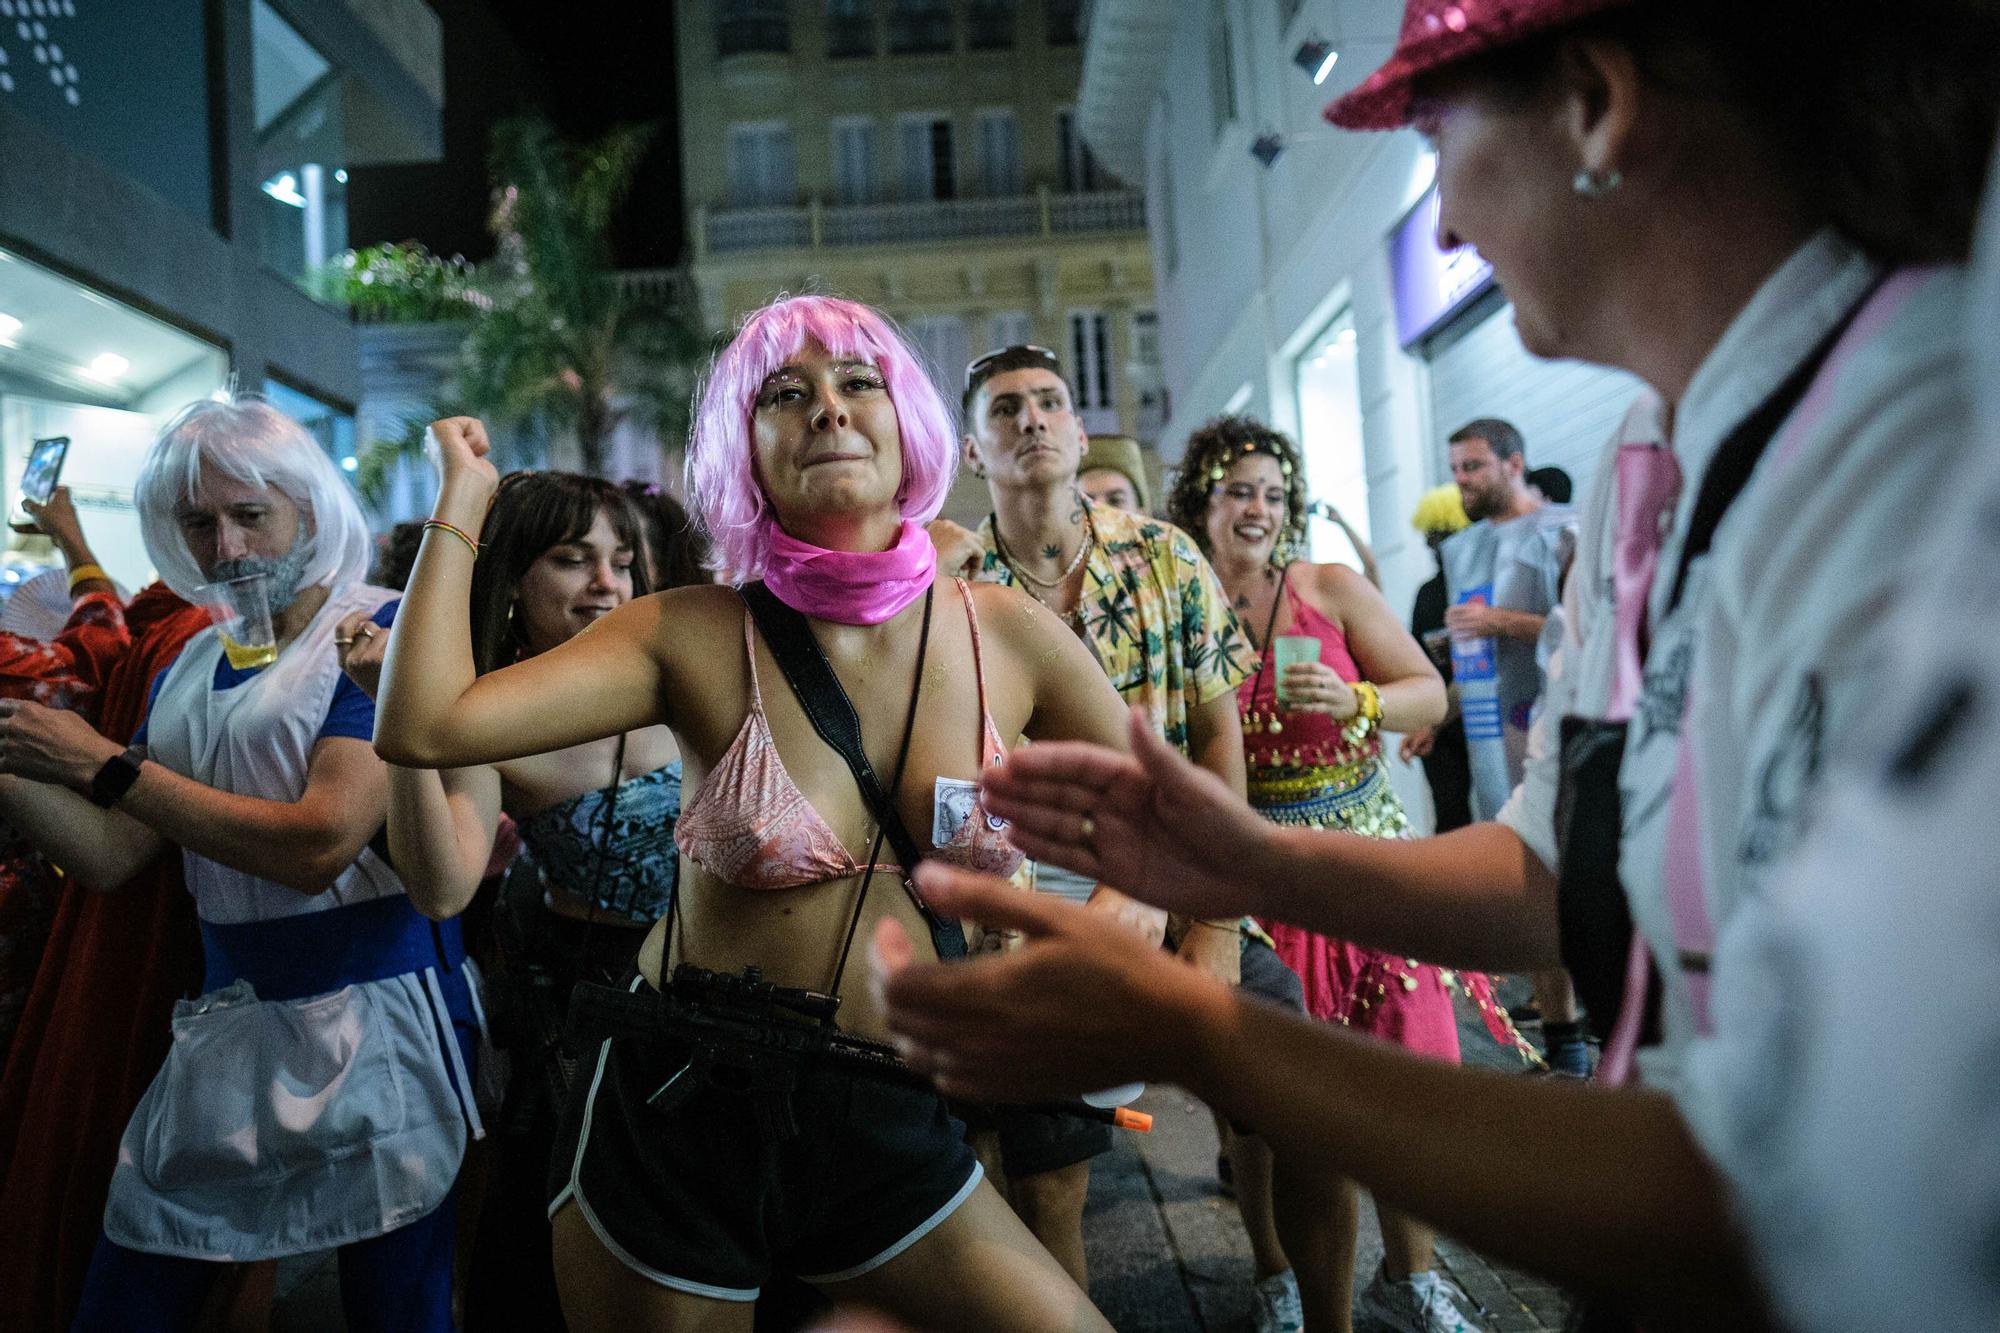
(1088, 829)
(367, 630)
(339, 642)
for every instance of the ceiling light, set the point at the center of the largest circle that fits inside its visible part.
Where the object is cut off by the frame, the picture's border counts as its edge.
(341, 175)
(350, 463)
(107, 366)
(1316, 56)
(9, 326)
(1266, 147)
(284, 188)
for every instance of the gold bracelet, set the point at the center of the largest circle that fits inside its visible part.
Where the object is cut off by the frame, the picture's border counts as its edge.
(87, 573)
(455, 531)
(1368, 701)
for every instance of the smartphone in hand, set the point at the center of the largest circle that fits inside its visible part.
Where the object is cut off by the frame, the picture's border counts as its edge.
(39, 478)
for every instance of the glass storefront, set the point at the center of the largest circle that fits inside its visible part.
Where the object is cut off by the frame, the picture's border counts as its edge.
(1329, 394)
(77, 363)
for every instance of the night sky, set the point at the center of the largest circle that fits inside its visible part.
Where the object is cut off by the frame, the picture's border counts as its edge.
(589, 64)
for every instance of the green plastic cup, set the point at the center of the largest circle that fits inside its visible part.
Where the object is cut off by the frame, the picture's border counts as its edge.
(1289, 650)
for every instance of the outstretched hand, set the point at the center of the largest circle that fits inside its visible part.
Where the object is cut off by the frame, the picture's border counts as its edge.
(1151, 823)
(1082, 1004)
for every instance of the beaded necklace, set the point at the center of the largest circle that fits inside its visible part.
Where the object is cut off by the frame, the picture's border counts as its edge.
(1039, 588)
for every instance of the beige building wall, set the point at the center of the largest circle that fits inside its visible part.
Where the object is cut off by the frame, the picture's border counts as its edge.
(963, 274)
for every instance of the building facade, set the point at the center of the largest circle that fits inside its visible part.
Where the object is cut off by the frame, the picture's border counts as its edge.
(922, 156)
(1297, 270)
(170, 172)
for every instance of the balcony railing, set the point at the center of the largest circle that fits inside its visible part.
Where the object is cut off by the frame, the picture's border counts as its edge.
(817, 226)
(655, 286)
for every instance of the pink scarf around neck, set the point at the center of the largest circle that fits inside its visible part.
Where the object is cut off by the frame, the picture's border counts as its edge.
(850, 587)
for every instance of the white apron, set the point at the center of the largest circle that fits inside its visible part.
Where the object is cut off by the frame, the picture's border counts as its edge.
(277, 1127)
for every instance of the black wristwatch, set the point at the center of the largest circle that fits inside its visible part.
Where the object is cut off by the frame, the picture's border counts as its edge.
(113, 780)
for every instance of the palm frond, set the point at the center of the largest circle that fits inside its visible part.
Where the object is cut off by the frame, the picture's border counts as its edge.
(553, 343)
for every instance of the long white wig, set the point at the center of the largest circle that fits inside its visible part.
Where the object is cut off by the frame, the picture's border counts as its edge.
(254, 443)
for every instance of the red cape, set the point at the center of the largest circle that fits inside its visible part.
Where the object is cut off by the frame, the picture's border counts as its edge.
(95, 1025)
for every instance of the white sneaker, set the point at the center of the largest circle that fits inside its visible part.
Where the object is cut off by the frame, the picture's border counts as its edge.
(1277, 1308)
(1420, 1303)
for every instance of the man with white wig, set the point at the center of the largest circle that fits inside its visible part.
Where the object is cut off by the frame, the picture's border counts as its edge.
(317, 1094)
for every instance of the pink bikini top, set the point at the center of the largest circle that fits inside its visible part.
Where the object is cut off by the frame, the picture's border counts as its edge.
(749, 824)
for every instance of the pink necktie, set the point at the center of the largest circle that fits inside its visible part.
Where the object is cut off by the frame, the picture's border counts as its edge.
(1649, 481)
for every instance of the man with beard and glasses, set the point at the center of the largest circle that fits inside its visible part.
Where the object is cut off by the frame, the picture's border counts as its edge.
(1503, 578)
(318, 1093)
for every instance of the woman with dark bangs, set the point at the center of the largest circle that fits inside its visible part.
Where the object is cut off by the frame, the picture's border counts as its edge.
(597, 821)
(562, 551)
(683, 1182)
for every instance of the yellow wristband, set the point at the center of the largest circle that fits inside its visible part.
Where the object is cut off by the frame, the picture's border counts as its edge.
(1368, 701)
(85, 574)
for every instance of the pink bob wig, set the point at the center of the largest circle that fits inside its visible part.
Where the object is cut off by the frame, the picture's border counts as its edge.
(721, 469)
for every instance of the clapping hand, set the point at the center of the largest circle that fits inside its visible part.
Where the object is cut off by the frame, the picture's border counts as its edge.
(1152, 823)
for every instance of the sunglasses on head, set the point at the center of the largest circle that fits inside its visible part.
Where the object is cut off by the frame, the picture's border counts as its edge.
(978, 364)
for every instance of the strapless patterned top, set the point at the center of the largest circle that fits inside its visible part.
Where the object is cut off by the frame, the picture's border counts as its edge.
(635, 874)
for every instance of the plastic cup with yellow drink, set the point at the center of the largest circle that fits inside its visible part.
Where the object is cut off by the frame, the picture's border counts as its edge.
(240, 609)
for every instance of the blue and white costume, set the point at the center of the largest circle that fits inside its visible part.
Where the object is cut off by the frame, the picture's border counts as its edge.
(318, 1094)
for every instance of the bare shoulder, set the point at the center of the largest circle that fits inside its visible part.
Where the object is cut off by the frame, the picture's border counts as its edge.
(695, 599)
(1336, 580)
(698, 607)
(673, 624)
(1012, 618)
(1335, 589)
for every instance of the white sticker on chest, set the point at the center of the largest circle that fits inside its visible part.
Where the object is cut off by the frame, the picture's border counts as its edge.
(955, 801)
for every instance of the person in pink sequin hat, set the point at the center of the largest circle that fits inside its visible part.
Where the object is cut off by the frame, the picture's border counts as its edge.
(1762, 211)
(1439, 34)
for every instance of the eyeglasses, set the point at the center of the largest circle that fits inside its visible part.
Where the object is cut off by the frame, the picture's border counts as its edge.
(979, 364)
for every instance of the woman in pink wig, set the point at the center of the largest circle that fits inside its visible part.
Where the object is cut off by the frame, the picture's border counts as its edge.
(691, 1171)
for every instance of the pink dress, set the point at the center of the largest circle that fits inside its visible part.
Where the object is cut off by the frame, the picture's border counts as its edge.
(1307, 770)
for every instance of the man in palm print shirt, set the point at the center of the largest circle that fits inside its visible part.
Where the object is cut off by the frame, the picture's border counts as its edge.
(1139, 592)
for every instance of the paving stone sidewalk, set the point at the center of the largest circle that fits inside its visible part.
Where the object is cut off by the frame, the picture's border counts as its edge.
(1168, 1254)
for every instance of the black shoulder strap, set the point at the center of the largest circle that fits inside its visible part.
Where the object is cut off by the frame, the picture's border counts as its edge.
(1737, 456)
(832, 715)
